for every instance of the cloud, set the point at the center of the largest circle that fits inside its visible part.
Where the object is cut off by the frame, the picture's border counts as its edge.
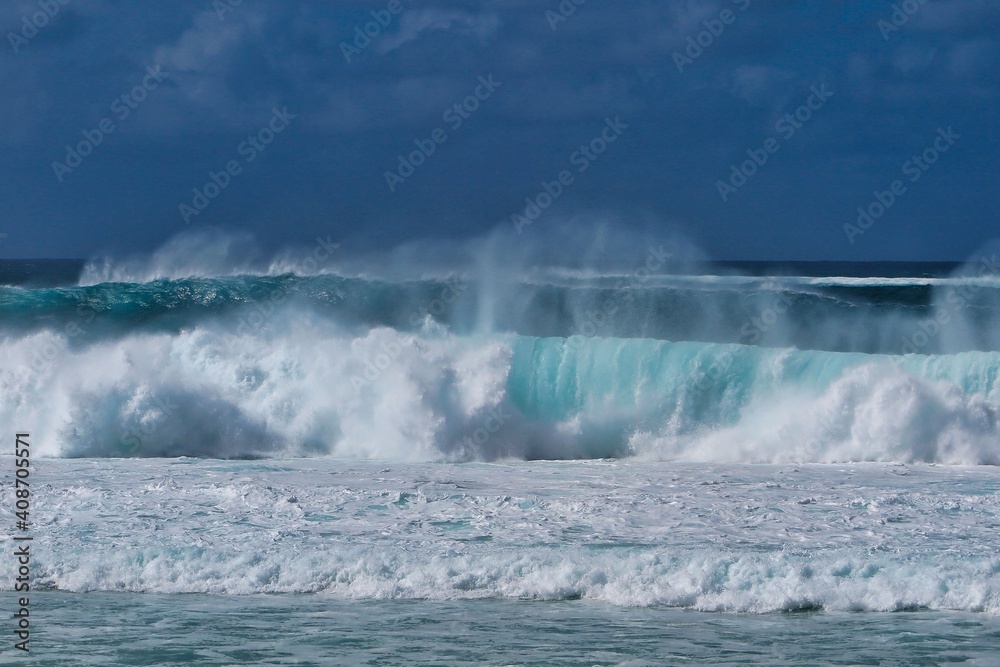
(758, 84)
(415, 22)
(959, 17)
(606, 59)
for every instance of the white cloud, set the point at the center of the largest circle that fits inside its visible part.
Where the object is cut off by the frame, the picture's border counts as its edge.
(757, 84)
(414, 22)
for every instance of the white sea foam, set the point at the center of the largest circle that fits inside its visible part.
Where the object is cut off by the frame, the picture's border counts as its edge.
(709, 537)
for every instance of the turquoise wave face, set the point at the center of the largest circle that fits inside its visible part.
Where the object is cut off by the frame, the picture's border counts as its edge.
(304, 386)
(557, 378)
(700, 368)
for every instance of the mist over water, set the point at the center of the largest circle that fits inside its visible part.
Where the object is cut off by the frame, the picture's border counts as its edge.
(683, 408)
(587, 343)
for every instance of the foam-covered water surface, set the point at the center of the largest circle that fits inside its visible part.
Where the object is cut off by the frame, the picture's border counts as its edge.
(499, 462)
(711, 537)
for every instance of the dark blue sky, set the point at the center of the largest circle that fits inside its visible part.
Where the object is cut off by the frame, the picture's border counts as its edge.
(879, 96)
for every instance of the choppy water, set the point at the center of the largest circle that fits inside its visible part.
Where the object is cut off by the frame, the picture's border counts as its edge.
(709, 537)
(325, 561)
(123, 629)
(559, 467)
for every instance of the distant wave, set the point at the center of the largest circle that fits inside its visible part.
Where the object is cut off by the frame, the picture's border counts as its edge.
(868, 318)
(108, 271)
(210, 348)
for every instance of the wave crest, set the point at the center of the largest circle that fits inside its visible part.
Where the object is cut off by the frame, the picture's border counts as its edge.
(305, 387)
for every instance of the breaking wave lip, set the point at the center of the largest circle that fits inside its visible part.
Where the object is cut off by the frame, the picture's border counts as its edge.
(308, 387)
(219, 367)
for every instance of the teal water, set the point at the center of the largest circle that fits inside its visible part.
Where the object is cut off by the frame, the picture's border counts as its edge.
(135, 629)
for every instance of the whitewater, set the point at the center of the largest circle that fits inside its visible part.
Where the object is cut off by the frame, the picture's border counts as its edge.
(725, 439)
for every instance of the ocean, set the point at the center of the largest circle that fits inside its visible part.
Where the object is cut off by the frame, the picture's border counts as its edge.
(729, 464)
